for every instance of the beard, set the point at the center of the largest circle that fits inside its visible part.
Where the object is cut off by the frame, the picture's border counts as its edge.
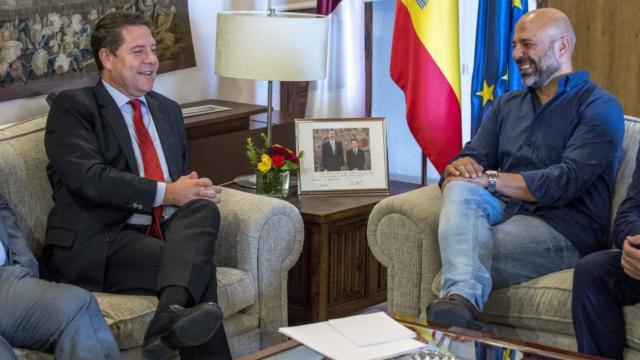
(545, 68)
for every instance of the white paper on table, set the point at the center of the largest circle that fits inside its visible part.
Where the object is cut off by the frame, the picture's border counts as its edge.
(371, 329)
(324, 339)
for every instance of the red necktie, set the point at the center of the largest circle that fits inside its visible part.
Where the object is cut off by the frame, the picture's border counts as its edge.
(150, 163)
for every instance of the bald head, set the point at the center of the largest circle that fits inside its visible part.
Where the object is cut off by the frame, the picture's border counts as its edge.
(552, 23)
(543, 45)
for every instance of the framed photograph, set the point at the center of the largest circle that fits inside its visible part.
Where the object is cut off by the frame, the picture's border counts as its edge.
(342, 156)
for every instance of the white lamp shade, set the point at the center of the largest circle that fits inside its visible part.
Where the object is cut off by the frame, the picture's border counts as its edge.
(283, 47)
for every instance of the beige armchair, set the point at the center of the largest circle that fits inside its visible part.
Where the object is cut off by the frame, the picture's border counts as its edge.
(260, 240)
(402, 234)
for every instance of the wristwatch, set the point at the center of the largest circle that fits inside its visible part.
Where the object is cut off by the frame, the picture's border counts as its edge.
(492, 176)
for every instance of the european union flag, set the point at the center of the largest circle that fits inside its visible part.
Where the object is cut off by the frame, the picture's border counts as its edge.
(494, 71)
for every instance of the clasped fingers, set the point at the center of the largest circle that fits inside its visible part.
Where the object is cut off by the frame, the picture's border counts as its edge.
(205, 182)
(465, 167)
(210, 193)
(631, 260)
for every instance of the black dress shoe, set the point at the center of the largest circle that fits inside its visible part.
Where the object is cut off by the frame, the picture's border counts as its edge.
(178, 328)
(457, 311)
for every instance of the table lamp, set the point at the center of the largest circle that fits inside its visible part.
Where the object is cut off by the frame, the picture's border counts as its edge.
(271, 46)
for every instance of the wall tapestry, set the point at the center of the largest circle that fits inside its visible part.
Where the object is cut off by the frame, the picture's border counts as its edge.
(45, 44)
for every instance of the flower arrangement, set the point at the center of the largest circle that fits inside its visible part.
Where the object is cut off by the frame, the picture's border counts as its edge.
(273, 164)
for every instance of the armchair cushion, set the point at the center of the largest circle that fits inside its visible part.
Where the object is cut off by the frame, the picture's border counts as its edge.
(128, 315)
(543, 303)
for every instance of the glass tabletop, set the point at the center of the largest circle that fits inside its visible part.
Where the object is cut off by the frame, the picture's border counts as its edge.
(442, 343)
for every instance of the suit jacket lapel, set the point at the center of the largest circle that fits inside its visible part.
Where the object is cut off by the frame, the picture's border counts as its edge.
(171, 152)
(112, 115)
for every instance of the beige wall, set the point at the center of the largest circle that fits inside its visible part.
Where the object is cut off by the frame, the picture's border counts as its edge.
(608, 45)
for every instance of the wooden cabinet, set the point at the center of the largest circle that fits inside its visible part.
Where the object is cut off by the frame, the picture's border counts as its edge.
(336, 274)
(216, 141)
(237, 118)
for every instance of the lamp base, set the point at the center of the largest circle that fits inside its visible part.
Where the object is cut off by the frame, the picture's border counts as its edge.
(248, 181)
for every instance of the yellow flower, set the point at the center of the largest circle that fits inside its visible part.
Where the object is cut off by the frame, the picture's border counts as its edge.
(265, 163)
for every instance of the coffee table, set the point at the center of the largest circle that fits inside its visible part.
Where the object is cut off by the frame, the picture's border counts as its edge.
(459, 343)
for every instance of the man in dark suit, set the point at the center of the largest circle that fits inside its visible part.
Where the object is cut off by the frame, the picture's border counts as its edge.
(42, 315)
(355, 156)
(605, 281)
(128, 217)
(332, 154)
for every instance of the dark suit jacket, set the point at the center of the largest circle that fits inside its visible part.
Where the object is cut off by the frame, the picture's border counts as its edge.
(355, 161)
(94, 175)
(14, 242)
(331, 161)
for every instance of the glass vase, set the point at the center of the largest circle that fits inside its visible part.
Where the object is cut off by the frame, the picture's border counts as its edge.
(273, 183)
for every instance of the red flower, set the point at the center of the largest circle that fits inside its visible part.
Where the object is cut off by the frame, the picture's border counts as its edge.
(277, 150)
(294, 159)
(277, 161)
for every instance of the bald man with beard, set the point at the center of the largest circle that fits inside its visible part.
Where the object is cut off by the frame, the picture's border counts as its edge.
(530, 193)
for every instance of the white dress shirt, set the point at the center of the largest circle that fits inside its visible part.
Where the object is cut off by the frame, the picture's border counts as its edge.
(127, 113)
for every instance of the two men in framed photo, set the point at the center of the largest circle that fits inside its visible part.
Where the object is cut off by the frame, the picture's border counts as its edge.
(348, 155)
(334, 157)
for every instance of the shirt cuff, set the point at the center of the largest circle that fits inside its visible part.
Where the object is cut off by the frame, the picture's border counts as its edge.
(534, 179)
(3, 254)
(162, 187)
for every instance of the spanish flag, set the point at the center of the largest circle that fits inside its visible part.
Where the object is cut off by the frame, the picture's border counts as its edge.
(425, 64)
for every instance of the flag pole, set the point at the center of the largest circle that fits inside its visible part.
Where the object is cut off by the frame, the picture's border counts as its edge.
(423, 170)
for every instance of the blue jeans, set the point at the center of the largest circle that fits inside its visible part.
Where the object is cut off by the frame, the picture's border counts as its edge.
(482, 248)
(45, 316)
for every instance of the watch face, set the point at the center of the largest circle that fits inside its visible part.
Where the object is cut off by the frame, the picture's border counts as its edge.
(492, 177)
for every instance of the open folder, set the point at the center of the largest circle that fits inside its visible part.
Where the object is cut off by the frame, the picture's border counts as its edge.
(370, 336)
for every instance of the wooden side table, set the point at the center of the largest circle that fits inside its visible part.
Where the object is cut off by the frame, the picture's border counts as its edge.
(336, 275)
(216, 146)
(237, 118)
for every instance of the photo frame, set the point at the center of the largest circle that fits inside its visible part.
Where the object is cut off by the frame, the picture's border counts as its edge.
(342, 156)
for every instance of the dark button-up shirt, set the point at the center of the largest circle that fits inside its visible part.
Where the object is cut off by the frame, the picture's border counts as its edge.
(567, 150)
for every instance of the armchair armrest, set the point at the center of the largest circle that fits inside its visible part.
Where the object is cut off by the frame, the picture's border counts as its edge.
(262, 236)
(403, 235)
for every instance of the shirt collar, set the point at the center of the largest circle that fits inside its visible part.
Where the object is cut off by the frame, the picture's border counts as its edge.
(120, 98)
(568, 81)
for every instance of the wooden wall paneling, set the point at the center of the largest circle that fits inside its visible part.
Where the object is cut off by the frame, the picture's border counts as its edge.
(607, 45)
(293, 97)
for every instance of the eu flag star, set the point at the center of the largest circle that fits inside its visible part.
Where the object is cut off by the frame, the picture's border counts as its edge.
(486, 93)
(516, 3)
